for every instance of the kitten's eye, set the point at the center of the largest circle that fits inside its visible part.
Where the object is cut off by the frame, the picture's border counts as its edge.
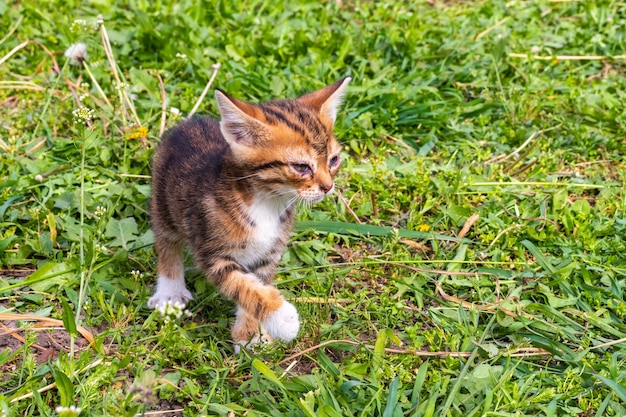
(302, 169)
(333, 161)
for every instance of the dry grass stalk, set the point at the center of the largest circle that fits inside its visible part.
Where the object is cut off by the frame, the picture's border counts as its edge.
(504, 157)
(568, 57)
(215, 67)
(43, 322)
(163, 104)
(347, 205)
(518, 352)
(468, 225)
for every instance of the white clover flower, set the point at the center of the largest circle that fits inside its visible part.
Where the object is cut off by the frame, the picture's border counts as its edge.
(171, 311)
(78, 25)
(175, 111)
(68, 411)
(100, 248)
(77, 53)
(535, 49)
(99, 212)
(83, 115)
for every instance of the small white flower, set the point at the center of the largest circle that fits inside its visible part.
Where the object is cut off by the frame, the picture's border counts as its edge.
(181, 56)
(83, 115)
(171, 311)
(100, 211)
(68, 411)
(39, 178)
(535, 49)
(78, 25)
(101, 248)
(175, 112)
(77, 53)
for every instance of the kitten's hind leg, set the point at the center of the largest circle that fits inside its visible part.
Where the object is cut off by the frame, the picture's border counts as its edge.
(247, 330)
(171, 282)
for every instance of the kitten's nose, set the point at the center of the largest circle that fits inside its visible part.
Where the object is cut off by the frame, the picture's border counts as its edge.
(326, 187)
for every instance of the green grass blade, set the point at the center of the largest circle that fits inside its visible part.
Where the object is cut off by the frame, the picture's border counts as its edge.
(392, 397)
(618, 389)
(267, 372)
(345, 228)
(541, 260)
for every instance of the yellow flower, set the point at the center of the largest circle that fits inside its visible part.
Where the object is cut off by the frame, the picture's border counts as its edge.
(139, 132)
(423, 228)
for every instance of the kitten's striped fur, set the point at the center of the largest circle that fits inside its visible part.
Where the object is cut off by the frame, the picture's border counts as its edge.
(227, 190)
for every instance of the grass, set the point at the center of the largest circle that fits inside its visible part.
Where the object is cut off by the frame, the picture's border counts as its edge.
(473, 263)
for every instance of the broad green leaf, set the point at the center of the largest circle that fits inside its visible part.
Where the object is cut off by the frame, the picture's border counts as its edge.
(69, 320)
(122, 232)
(379, 351)
(46, 277)
(64, 386)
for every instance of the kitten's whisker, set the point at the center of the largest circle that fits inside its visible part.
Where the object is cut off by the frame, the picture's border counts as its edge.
(274, 194)
(289, 204)
(244, 177)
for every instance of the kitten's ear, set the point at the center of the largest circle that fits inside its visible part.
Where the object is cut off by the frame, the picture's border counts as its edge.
(240, 122)
(328, 99)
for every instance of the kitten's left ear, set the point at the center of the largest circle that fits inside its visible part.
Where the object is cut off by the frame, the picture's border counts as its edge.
(328, 99)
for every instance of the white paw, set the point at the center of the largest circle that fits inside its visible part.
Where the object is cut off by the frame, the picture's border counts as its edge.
(283, 323)
(169, 291)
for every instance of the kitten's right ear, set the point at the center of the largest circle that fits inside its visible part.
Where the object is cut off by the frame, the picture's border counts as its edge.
(328, 99)
(239, 123)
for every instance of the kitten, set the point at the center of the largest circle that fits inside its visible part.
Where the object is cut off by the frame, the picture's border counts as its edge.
(227, 189)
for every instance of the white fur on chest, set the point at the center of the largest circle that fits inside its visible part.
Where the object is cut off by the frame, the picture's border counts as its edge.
(266, 231)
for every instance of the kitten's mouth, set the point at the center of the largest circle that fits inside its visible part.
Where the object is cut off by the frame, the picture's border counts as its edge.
(312, 198)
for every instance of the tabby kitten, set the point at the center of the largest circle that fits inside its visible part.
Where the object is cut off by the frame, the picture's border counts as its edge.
(227, 189)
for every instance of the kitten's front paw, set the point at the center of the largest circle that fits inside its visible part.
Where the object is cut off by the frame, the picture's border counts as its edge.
(283, 323)
(169, 292)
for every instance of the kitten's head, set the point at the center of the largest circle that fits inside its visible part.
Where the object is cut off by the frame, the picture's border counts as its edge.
(287, 147)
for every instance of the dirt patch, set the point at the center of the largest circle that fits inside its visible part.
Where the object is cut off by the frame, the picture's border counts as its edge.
(44, 342)
(18, 272)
